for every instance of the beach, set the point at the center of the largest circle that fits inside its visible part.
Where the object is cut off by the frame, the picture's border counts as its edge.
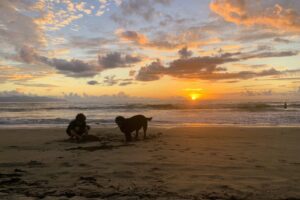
(229, 162)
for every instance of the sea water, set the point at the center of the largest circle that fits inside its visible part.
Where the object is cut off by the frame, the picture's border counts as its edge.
(59, 114)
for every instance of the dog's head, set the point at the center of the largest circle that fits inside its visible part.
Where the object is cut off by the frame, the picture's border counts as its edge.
(120, 121)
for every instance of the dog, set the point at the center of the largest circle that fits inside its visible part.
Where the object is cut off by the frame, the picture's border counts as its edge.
(135, 123)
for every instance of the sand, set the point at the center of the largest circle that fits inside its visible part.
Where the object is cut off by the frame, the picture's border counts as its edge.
(178, 163)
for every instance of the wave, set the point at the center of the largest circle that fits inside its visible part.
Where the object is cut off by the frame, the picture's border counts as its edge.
(55, 121)
(201, 106)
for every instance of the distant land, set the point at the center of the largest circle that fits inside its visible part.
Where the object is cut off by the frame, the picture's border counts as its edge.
(29, 99)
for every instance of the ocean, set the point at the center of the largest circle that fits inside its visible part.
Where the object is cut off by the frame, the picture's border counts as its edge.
(59, 114)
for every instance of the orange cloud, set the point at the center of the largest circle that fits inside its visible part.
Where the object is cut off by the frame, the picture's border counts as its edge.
(240, 13)
(189, 38)
(132, 36)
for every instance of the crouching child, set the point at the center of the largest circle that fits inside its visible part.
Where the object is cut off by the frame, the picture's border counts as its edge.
(78, 128)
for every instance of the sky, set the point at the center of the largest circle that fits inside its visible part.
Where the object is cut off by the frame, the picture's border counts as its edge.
(194, 49)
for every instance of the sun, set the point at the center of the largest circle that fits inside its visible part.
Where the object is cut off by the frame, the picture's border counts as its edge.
(195, 96)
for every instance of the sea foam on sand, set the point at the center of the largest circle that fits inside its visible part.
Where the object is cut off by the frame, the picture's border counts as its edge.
(178, 163)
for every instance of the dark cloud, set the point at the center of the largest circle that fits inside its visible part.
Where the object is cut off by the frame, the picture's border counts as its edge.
(72, 68)
(28, 54)
(131, 35)
(269, 54)
(152, 72)
(110, 80)
(250, 35)
(76, 67)
(141, 8)
(208, 68)
(115, 60)
(282, 40)
(92, 82)
(125, 83)
(185, 53)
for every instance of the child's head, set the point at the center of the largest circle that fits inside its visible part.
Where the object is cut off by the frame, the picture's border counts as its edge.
(80, 117)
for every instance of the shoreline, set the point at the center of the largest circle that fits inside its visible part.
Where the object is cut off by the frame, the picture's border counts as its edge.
(64, 126)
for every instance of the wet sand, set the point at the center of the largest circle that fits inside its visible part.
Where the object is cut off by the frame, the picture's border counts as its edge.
(178, 163)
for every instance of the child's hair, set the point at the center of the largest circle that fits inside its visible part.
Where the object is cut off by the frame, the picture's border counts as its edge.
(80, 117)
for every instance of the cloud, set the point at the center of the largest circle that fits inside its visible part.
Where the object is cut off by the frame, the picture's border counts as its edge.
(17, 75)
(116, 60)
(140, 8)
(132, 72)
(269, 14)
(269, 54)
(209, 67)
(41, 85)
(125, 83)
(110, 80)
(134, 36)
(72, 68)
(17, 96)
(151, 72)
(192, 37)
(29, 22)
(89, 43)
(17, 28)
(257, 93)
(155, 71)
(117, 98)
(254, 34)
(55, 15)
(76, 67)
(282, 40)
(28, 54)
(93, 82)
(184, 68)
(185, 53)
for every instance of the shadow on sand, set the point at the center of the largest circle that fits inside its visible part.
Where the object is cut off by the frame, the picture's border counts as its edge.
(110, 142)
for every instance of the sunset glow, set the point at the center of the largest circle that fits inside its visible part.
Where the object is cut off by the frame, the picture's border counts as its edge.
(164, 49)
(195, 96)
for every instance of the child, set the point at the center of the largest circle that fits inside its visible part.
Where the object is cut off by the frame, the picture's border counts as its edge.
(78, 128)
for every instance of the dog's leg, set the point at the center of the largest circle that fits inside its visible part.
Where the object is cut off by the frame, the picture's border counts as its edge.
(136, 134)
(128, 137)
(145, 129)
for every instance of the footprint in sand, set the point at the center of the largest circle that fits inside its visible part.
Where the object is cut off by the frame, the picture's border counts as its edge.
(282, 161)
(65, 164)
(259, 166)
(83, 165)
(295, 163)
(14, 178)
(159, 157)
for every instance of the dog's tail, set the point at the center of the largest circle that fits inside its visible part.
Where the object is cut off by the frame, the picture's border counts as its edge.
(149, 119)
